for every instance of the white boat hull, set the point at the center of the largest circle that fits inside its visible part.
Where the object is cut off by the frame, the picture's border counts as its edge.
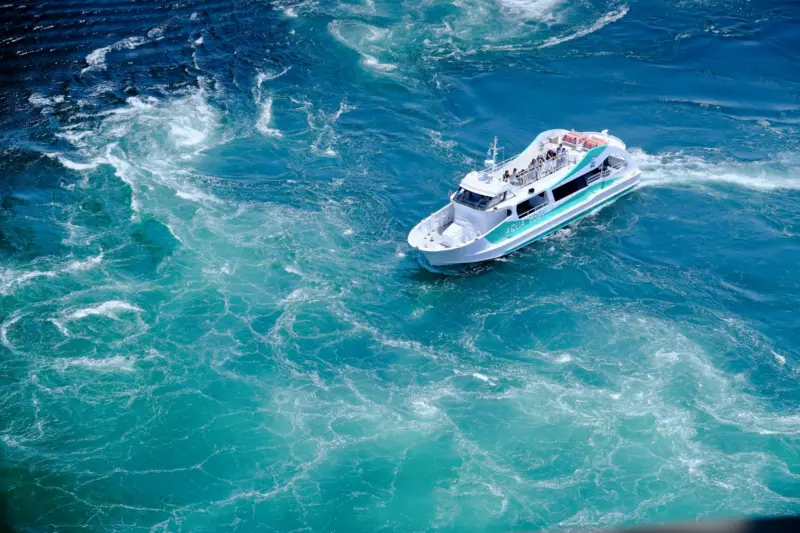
(513, 235)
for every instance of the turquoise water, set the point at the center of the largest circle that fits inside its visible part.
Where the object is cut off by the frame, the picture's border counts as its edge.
(210, 319)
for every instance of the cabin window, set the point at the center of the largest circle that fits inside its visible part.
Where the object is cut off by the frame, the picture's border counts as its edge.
(609, 165)
(497, 199)
(594, 174)
(569, 188)
(531, 204)
(477, 201)
(614, 163)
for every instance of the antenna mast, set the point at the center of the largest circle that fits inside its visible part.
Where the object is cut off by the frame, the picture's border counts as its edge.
(491, 162)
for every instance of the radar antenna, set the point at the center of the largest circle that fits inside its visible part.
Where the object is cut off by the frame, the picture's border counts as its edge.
(491, 155)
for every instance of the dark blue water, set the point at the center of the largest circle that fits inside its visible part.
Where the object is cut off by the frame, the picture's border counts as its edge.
(210, 318)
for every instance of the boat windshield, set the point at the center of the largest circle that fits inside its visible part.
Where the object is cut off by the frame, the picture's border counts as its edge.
(475, 200)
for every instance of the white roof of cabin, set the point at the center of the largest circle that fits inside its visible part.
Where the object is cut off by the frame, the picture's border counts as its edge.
(484, 183)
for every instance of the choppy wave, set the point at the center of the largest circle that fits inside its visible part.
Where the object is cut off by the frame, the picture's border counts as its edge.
(38, 100)
(164, 134)
(114, 363)
(86, 264)
(608, 18)
(264, 102)
(322, 124)
(10, 279)
(545, 10)
(368, 41)
(264, 118)
(96, 60)
(173, 281)
(110, 309)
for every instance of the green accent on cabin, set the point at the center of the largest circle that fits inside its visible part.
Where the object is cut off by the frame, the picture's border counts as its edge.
(508, 230)
(591, 154)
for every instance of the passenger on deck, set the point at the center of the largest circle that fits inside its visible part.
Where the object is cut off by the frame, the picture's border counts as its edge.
(506, 176)
(514, 174)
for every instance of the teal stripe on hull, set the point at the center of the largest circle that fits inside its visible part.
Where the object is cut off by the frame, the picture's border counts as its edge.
(572, 219)
(500, 234)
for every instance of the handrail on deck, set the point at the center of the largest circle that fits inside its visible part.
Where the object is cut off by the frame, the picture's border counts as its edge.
(542, 170)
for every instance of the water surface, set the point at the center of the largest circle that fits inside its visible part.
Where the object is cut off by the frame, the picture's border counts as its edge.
(210, 318)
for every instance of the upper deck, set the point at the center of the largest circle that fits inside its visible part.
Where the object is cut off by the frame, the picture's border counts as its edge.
(524, 168)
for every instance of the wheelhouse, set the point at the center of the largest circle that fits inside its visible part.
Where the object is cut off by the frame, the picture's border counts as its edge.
(477, 201)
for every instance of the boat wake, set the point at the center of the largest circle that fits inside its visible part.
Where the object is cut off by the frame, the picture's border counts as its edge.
(681, 169)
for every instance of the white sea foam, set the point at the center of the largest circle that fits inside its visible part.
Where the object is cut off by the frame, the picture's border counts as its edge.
(322, 122)
(4, 327)
(779, 358)
(86, 264)
(145, 141)
(136, 103)
(61, 328)
(73, 165)
(73, 136)
(294, 8)
(156, 33)
(264, 103)
(368, 41)
(111, 309)
(608, 18)
(418, 312)
(264, 118)
(124, 171)
(197, 196)
(677, 168)
(436, 137)
(44, 101)
(108, 364)
(542, 10)
(291, 269)
(343, 108)
(96, 60)
(423, 407)
(11, 280)
(188, 131)
(263, 76)
(372, 62)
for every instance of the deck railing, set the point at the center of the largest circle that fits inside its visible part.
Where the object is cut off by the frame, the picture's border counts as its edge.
(542, 170)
